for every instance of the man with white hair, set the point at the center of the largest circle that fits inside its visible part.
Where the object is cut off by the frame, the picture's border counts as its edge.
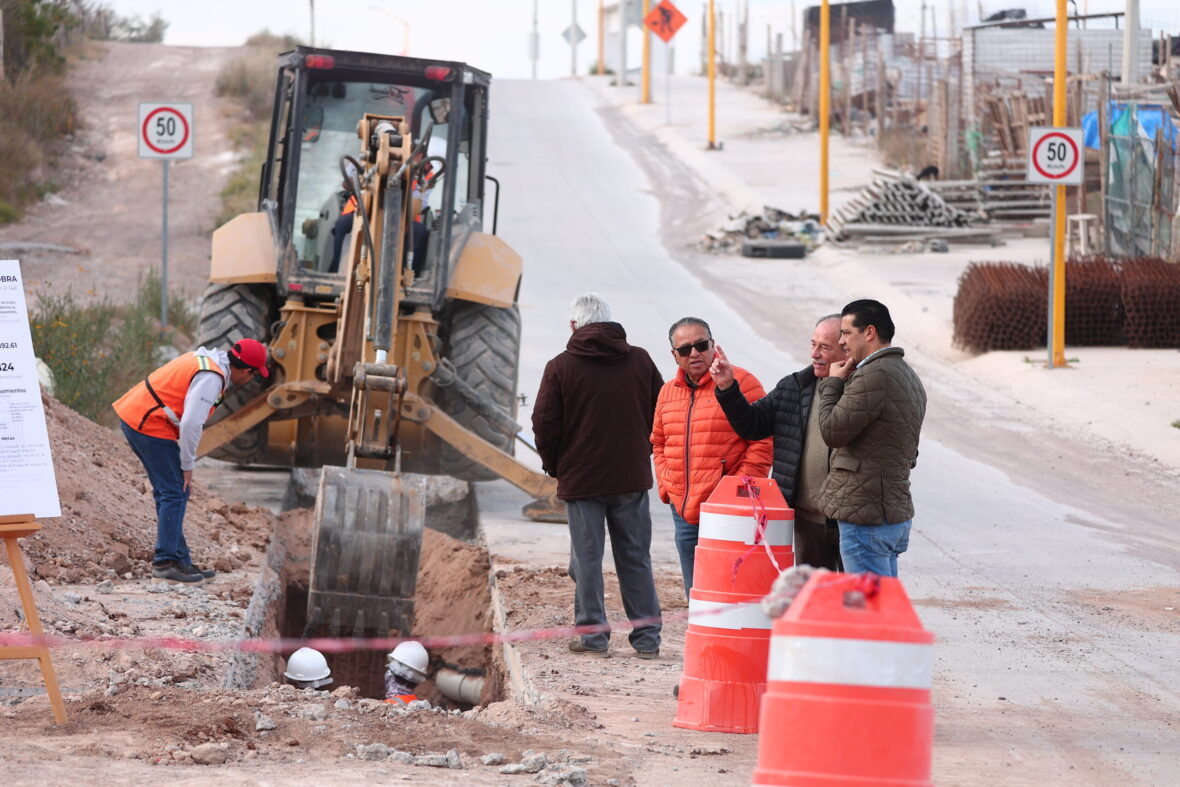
(591, 421)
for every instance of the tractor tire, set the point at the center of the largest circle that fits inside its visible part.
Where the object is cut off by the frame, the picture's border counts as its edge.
(230, 312)
(483, 344)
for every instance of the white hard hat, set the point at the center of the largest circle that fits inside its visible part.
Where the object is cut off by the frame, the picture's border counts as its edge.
(308, 665)
(413, 657)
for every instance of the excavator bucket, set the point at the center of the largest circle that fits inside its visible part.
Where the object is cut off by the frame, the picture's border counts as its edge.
(368, 536)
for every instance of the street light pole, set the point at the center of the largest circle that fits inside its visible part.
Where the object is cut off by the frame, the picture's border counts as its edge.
(312, 4)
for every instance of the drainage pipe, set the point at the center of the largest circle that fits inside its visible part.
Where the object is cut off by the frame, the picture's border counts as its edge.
(459, 687)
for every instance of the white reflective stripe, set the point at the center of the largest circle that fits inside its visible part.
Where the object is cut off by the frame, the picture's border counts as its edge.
(171, 415)
(851, 662)
(742, 529)
(719, 615)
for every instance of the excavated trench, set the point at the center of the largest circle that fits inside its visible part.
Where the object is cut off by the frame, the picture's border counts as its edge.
(453, 597)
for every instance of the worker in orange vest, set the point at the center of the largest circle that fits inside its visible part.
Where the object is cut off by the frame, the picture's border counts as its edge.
(162, 418)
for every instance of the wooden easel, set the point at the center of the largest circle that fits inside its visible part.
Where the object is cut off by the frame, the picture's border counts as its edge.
(12, 528)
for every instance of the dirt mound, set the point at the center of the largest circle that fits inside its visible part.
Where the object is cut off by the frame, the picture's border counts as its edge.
(108, 522)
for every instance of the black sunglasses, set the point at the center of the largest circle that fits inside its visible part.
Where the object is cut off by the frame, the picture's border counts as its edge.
(685, 350)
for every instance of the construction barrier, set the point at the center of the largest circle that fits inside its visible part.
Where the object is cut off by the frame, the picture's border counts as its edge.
(848, 695)
(744, 542)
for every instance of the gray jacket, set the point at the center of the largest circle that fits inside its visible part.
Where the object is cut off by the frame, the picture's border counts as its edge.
(871, 421)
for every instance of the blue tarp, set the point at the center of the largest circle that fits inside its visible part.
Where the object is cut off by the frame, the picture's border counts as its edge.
(1151, 117)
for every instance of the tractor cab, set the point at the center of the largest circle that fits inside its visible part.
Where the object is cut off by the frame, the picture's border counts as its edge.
(319, 97)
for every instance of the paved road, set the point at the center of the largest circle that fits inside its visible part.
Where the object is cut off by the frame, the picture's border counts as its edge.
(1047, 572)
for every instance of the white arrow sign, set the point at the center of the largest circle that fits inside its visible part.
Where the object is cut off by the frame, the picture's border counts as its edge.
(1055, 156)
(165, 131)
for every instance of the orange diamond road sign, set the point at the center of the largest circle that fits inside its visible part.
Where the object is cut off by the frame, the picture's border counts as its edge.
(664, 20)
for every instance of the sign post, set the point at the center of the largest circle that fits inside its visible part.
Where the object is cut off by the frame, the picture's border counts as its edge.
(663, 20)
(1056, 157)
(165, 131)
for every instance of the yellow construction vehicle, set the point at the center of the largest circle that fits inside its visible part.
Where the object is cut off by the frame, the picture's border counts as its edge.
(389, 311)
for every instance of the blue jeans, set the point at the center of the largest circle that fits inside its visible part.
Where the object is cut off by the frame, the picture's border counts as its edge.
(161, 459)
(873, 548)
(686, 546)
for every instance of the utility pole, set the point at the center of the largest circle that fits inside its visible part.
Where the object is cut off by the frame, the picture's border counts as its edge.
(645, 81)
(825, 110)
(1057, 273)
(534, 41)
(1130, 36)
(711, 68)
(310, 3)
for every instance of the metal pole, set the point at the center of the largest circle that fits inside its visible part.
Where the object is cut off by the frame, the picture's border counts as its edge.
(712, 70)
(645, 91)
(1130, 31)
(1057, 304)
(668, 52)
(574, 38)
(311, 3)
(535, 41)
(621, 79)
(164, 258)
(601, 39)
(825, 84)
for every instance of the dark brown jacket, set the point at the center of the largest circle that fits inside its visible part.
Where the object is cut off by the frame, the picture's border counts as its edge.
(871, 421)
(593, 414)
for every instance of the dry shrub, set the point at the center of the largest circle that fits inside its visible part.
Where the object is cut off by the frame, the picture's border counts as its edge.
(35, 110)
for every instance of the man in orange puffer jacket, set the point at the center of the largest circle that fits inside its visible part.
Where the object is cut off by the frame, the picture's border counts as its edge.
(692, 442)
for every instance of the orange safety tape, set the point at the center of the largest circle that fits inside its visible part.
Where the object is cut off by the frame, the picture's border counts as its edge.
(330, 644)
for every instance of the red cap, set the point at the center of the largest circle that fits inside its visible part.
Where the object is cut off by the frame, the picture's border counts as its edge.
(251, 353)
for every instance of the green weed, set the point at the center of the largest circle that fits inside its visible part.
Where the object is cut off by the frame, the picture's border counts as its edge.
(97, 350)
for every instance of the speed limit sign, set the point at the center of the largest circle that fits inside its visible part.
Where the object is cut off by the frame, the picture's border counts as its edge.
(165, 131)
(1055, 155)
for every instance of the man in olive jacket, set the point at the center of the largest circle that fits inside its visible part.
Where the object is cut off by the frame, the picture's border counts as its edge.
(591, 421)
(870, 414)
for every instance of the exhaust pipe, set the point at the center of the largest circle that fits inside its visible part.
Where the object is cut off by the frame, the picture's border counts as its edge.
(459, 687)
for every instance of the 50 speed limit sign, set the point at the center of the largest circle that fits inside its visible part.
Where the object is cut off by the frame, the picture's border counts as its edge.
(165, 131)
(1055, 155)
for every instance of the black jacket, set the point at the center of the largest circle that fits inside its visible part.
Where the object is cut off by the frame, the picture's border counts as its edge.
(781, 414)
(593, 415)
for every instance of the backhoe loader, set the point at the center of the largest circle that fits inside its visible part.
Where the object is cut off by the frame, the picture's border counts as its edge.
(390, 314)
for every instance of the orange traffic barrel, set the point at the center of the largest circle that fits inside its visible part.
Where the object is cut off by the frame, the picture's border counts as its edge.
(746, 528)
(848, 694)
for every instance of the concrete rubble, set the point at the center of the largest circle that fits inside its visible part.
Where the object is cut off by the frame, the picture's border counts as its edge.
(771, 224)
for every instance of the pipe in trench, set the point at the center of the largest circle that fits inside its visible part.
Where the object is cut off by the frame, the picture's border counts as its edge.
(458, 687)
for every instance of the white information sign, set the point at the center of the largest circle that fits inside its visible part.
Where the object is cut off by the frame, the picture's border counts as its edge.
(165, 131)
(27, 482)
(1055, 155)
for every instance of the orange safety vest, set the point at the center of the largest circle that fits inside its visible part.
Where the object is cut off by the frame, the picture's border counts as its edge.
(155, 406)
(349, 207)
(402, 699)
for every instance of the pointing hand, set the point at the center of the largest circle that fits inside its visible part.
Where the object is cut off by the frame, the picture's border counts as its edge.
(721, 370)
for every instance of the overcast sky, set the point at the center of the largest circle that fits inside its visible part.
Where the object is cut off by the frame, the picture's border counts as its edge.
(493, 34)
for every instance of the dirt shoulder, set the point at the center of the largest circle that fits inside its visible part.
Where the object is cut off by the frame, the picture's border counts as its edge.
(108, 207)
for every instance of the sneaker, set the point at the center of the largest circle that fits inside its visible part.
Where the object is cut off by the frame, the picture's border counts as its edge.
(648, 654)
(170, 571)
(577, 646)
(207, 573)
